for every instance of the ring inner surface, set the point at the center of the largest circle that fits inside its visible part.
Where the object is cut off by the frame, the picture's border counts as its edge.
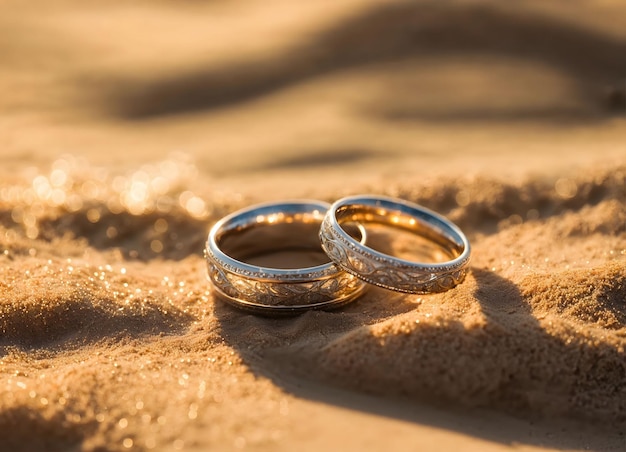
(411, 236)
(279, 245)
(277, 240)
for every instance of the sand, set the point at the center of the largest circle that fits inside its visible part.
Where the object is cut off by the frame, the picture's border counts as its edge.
(121, 148)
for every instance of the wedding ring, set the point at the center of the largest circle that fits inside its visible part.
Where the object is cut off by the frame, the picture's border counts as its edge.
(383, 269)
(237, 240)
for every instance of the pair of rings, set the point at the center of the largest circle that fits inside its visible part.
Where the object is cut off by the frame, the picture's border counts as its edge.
(236, 242)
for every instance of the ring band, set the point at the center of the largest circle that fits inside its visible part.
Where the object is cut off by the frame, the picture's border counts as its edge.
(385, 270)
(276, 290)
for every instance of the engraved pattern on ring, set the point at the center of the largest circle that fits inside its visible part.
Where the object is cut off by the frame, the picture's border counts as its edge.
(340, 285)
(388, 273)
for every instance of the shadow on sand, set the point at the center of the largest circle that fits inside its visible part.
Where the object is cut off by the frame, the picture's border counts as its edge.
(593, 61)
(281, 349)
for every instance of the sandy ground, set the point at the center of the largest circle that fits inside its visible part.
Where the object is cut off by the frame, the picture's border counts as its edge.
(128, 129)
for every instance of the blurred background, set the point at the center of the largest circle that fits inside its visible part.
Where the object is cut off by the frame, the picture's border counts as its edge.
(349, 90)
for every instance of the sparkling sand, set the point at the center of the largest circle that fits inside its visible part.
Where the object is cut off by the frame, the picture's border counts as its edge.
(110, 335)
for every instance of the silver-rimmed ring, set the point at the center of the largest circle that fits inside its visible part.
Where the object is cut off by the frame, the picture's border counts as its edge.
(383, 269)
(267, 228)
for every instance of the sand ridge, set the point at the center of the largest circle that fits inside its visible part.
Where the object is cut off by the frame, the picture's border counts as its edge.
(507, 118)
(121, 343)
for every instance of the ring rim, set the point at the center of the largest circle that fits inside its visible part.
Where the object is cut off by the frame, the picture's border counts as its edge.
(430, 276)
(266, 273)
